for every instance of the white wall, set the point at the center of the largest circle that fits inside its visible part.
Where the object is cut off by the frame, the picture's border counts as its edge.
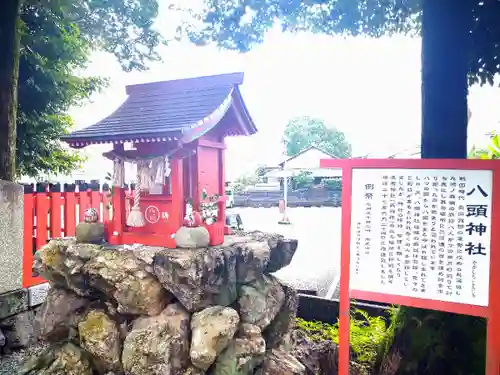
(308, 160)
(273, 180)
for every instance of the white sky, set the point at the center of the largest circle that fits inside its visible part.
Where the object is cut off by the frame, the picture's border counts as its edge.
(370, 89)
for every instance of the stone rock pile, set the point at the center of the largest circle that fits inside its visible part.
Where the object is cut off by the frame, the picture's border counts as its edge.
(141, 310)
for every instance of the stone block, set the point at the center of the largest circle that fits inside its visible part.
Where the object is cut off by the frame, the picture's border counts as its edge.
(13, 302)
(90, 232)
(192, 238)
(278, 333)
(37, 294)
(19, 330)
(11, 233)
(3, 340)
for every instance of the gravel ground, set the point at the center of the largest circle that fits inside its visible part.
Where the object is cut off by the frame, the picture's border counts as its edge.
(316, 263)
(11, 363)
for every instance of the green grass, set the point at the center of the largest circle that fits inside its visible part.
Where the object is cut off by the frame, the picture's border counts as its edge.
(370, 337)
(430, 342)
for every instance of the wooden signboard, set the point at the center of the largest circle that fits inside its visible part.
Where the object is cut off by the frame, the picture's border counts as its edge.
(422, 233)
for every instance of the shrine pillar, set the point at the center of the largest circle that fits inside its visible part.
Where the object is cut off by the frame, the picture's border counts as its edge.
(222, 183)
(210, 161)
(119, 215)
(118, 199)
(195, 179)
(178, 205)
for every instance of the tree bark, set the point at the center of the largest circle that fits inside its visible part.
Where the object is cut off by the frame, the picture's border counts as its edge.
(9, 73)
(445, 66)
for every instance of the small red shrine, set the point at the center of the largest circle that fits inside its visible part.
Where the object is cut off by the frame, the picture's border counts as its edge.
(177, 131)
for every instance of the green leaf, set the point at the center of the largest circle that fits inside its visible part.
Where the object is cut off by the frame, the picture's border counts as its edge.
(302, 132)
(241, 25)
(57, 39)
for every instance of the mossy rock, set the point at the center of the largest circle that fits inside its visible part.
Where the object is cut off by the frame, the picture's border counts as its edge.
(100, 336)
(94, 324)
(90, 233)
(51, 255)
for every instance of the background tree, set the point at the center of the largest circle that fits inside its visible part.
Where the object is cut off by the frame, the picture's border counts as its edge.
(480, 153)
(249, 178)
(238, 25)
(463, 38)
(9, 72)
(302, 180)
(260, 171)
(492, 151)
(302, 132)
(44, 44)
(51, 53)
(244, 181)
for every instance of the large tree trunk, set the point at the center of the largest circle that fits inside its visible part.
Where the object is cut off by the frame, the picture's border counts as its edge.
(9, 73)
(422, 334)
(445, 41)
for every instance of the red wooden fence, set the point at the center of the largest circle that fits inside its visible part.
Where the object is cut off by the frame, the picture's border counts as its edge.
(52, 211)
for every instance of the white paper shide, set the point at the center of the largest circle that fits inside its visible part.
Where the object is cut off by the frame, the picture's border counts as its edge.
(422, 233)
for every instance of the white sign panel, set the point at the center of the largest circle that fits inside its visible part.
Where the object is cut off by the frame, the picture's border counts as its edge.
(422, 233)
(37, 294)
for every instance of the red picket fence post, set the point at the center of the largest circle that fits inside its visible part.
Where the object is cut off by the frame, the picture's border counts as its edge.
(29, 237)
(42, 208)
(51, 212)
(69, 210)
(84, 201)
(96, 198)
(56, 202)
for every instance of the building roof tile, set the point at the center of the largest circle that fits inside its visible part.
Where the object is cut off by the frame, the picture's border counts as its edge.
(165, 108)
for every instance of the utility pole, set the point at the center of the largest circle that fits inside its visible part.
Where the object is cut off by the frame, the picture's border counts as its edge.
(283, 205)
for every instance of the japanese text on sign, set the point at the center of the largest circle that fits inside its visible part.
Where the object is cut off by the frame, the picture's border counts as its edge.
(422, 233)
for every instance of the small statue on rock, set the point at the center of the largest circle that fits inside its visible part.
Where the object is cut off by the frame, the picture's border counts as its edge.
(192, 234)
(90, 230)
(91, 215)
(193, 218)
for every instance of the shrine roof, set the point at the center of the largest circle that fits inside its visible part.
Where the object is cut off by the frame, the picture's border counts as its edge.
(181, 109)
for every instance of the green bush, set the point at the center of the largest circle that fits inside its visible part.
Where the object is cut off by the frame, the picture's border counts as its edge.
(435, 342)
(303, 180)
(371, 336)
(332, 184)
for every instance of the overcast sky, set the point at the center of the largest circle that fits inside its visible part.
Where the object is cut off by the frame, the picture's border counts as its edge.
(369, 89)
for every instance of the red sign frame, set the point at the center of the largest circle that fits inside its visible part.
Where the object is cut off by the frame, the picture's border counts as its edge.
(490, 312)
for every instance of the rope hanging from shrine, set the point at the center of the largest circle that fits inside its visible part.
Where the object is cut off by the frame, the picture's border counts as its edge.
(136, 218)
(150, 177)
(118, 172)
